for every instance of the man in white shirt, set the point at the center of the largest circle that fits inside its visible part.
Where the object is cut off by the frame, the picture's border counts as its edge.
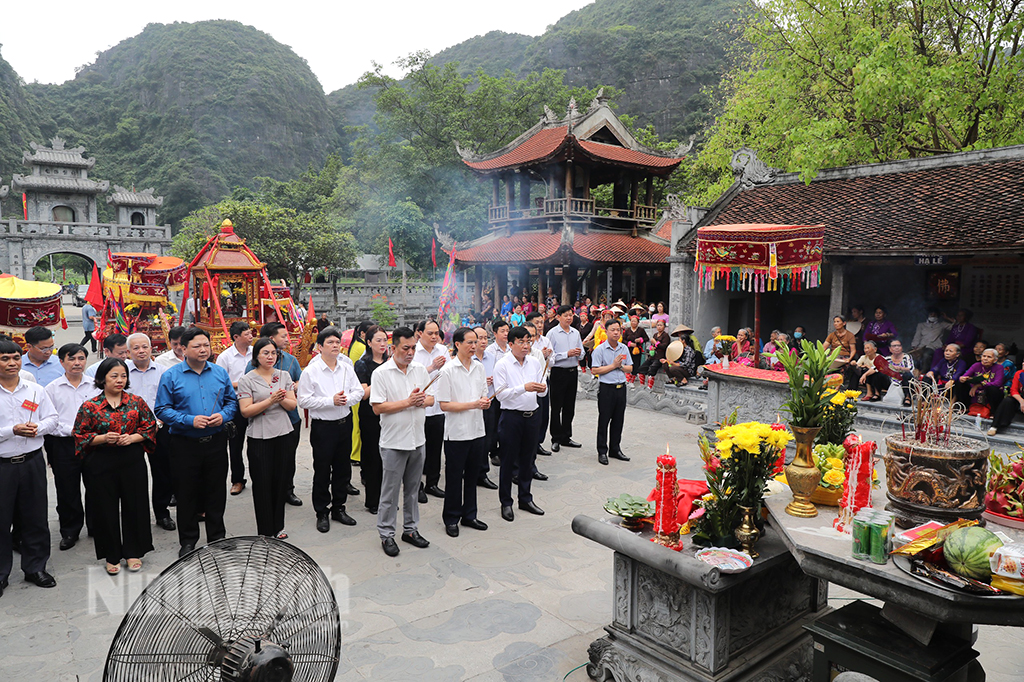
(519, 380)
(328, 388)
(462, 395)
(237, 359)
(432, 354)
(114, 346)
(175, 353)
(495, 352)
(568, 346)
(490, 414)
(397, 394)
(144, 380)
(67, 394)
(542, 346)
(26, 415)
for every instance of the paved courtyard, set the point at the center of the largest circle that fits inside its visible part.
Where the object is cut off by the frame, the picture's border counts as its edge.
(519, 602)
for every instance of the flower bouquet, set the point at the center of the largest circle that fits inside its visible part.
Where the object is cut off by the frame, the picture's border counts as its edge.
(838, 416)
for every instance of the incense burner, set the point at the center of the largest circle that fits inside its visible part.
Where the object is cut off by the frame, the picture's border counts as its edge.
(929, 481)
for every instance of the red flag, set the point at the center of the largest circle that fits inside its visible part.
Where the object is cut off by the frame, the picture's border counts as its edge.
(391, 254)
(310, 313)
(63, 320)
(95, 293)
(110, 258)
(24, 205)
(433, 251)
(64, 275)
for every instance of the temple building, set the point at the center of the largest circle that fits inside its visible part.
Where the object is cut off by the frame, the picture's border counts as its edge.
(59, 189)
(135, 208)
(572, 209)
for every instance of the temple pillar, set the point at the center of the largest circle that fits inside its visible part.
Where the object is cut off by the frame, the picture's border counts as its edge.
(634, 193)
(494, 190)
(524, 191)
(592, 288)
(641, 288)
(616, 284)
(568, 280)
(542, 282)
(649, 191)
(478, 281)
(568, 182)
(524, 282)
(510, 191)
(837, 297)
(586, 182)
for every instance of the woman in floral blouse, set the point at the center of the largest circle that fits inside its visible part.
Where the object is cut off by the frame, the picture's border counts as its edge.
(113, 431)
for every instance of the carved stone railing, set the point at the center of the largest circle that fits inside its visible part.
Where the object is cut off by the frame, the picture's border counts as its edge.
(45, 228)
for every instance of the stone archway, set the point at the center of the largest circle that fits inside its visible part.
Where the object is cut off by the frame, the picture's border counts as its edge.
(42, 260)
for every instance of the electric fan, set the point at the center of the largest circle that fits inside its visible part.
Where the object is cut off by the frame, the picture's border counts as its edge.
(246, 608)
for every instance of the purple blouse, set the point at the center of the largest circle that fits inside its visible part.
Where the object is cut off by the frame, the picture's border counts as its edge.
(948, 371)
(963, 335)
(993, 375)
(874, 328)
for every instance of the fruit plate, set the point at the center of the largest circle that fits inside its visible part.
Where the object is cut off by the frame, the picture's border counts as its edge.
(726, 560)
(1002, 519)
(903, 563)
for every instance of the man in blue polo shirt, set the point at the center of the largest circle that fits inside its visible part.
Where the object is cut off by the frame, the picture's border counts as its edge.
(40, 361)
(195, 399)
(608, 361)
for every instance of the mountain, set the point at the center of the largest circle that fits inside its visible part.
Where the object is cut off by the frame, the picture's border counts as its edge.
(20, 116)
(194, 109)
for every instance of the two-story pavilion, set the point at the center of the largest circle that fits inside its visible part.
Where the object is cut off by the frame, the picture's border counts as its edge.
(546, 216)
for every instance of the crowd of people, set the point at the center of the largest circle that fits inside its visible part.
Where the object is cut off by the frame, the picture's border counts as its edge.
(400, 403)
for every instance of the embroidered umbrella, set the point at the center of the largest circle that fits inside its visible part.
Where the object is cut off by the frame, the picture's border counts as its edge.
(759, 257)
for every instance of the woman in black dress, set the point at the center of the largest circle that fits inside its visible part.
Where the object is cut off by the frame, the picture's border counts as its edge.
(369, 423)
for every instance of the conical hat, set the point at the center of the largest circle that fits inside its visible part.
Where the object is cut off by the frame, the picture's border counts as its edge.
(681, 329)
(674, 350)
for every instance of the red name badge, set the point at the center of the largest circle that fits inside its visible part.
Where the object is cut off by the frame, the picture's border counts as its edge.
(30, 406)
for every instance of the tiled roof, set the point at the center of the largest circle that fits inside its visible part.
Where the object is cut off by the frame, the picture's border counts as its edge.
(611, 152)
(127, 197)
(665, 231)
(72, 158)
(614, 247)
(60, 184)
(533, 246)
(954, 208)
(538, 147)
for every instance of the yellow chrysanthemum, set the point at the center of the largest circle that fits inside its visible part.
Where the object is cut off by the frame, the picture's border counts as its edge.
(852, 395)
(838, 399)
(833, 477)
(835, 463)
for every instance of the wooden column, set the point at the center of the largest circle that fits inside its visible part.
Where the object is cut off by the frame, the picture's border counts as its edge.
(568, 182)
(649, 191)
(568, 284)
(494, 190)
(641, 289)
(510, 191)
(524, 282)
(616, 284)
(524, 191)
(542, 282)
(593, 284)
(478, 295)
(586, 182)
(634, 193)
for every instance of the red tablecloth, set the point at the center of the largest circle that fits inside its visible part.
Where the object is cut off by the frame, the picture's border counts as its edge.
(738, 370)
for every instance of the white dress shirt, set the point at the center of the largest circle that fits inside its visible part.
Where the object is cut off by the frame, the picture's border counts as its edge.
(562, 342)
(167, 359)
(236, 364)
(400, 430)
(510, 379)
(144, 382)
(27, 376)
(460, 385)
(13, 411)
(67, 399)
(426, 359)
(537, 352)
(320, 383)
(492, 354)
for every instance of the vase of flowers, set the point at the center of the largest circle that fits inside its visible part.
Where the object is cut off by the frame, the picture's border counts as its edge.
(806, 405)
(726, 347)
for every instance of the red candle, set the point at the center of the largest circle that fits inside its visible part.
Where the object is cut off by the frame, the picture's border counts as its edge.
(666, 527)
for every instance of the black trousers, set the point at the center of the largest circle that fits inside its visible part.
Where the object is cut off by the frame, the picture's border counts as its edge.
(544, 406)
(88, 339)
(117, 488)
(160, 471)
(235, 446)
(650, 367)
(296, 433)
(492, 416)
(67, 479)
(1008, 410)
(611, 408)
(332, 463)
(434, 431)
(461, 470)
(23, 504)
(562, 391)
(519, 433)
(993, 395)
(268, 465)
(200, 471)
(369, 458)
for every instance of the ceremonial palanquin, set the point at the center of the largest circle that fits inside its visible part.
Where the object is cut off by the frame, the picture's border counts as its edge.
(136, 290)
(26, 304)
(228, 283)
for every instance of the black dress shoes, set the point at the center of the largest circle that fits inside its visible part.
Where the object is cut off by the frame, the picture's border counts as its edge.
(371, 510)
(531, 507)
(485, 482)
(41, 579)
(415, 539)
(555, 447)
(506, 513)
(293, 500)
(423, 495)
(452, 530)
(602, 458)
(618, 454)
(495, 461)
(3, 586)
(435, 491)
(390, 546)
(541, 451)
(167, 523)
(570, 443)
(538, 476)
(352, 490)
(67, 543)
(173, 502)
(342, 517)
(186, 549)
(323, 523)
(475, 524)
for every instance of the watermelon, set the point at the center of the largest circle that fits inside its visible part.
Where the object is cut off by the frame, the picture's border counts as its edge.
(967, 551)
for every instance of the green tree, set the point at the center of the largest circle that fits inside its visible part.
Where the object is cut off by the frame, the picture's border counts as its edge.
(837, 82)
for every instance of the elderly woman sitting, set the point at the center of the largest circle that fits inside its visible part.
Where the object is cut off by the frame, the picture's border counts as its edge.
(946, 370)
(742, 351)
(767, 353)
(982, 383)
(842, 339)
(901, 370)
(869, 373)
(782, 344)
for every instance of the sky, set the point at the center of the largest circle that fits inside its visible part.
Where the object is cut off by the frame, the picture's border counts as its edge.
(339, 40)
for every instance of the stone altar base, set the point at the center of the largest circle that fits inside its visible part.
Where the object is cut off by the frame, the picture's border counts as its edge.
(676, 618)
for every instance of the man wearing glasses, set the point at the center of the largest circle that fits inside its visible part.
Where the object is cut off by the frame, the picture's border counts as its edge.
(40, 361)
